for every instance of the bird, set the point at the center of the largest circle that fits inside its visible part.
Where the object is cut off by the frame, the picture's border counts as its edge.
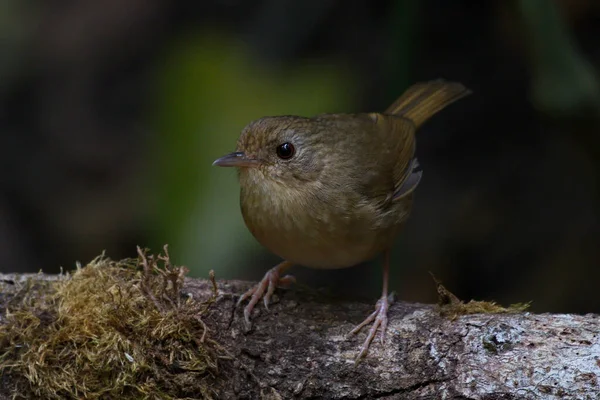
(333, 190)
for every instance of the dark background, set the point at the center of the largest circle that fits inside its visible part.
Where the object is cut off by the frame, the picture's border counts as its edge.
(112, 112)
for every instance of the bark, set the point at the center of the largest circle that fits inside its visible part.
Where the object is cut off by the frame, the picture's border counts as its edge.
(300, 349)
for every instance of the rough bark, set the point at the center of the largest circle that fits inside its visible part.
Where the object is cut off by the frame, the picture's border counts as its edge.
(300, 349)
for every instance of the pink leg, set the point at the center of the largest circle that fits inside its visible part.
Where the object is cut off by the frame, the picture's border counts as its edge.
(379, 316)
(268, 284)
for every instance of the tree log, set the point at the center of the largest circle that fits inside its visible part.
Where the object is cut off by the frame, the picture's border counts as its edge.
(300, 349)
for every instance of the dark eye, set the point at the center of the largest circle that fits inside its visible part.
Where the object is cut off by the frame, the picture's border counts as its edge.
(285, 151)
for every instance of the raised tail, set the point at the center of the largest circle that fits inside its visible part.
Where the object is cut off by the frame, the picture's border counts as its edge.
(422, 100)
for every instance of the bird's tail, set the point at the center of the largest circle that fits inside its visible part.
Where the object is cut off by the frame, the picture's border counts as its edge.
(422, 100)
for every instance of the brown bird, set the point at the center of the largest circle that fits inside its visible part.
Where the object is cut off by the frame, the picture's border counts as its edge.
(333, 190)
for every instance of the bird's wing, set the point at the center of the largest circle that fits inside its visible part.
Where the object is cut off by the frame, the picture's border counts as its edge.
(382, 145)
(410, 183)
(401, 120)
(398, 135)
(384, 148)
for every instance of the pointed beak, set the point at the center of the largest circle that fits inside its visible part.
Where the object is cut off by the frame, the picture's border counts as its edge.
(236, 159)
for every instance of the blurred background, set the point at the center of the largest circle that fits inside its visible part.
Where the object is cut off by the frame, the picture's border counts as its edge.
(112, 112)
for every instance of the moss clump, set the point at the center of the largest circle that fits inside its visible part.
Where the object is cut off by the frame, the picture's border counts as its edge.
(110, 330)
(451, 306)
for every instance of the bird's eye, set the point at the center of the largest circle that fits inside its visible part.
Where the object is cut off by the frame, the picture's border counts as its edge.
(285, 151)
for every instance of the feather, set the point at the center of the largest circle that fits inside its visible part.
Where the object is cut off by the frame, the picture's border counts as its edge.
(421, 101)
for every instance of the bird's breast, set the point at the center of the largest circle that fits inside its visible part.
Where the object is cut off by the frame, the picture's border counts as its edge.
(306, 228)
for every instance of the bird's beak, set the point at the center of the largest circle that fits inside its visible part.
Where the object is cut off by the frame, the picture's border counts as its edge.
(236, 159)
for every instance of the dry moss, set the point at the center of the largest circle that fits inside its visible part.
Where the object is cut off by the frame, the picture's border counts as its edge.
(113, 329)
(451, 306)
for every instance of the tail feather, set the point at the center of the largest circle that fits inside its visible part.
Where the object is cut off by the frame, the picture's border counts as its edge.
(422, 100)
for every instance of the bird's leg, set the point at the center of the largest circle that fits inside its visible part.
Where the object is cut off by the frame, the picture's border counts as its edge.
(379, 316)
(268, 284)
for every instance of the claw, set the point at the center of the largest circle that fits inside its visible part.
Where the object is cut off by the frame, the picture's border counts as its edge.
(265, 289)
(379, 319)
(271, 289)
(384, 324)
(379, 316)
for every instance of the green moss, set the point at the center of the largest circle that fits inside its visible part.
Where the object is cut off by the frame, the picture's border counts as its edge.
(113, 329)
(451, 306)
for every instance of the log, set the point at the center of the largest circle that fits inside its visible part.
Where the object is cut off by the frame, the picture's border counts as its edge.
(300, 349)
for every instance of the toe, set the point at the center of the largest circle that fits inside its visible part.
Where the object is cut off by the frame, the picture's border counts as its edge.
(264, 289)
(384, 322)
(380, 322)
(366, 322)
(247, 311)
(245, 296)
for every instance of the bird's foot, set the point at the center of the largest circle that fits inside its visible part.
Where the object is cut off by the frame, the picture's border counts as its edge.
(379, 319)
(265, 289)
